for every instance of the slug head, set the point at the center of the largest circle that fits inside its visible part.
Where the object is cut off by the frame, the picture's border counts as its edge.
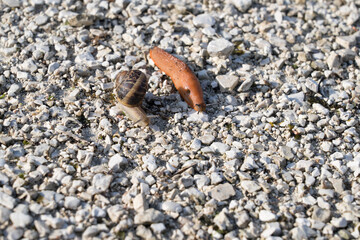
(193, 98)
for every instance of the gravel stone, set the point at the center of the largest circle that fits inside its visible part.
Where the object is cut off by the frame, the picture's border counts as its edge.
(223, 222)
(250, 186)
(13, 90)
(246, 85)
(312, 85)
(98, 212)
(220, 48)
(41, 20)
(115, 212)
(150, 162)
(117, 162)
(53, 67)
(20, 219)
(158, 228)
(222, 192)
(42, 149)
(7, 201)
(207, 139)
(29, 66)
(196, 145)
(346, 41)
(242, 219)
(101, 182)
(14, 233)
(322, 215)
(242, 5)
(4, 214)
(286, 152)
(320, 109)
(203, 20)
(171, 207)
(149, 216)
(220, 147)
(227, 82)
(71, 203)
(267, 216)
(92, 231)
(12, 3)
(144, 233)
(334, 60)
(339, 222)
(42, 228)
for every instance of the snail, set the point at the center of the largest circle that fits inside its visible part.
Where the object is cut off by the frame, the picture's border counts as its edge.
(131, 87)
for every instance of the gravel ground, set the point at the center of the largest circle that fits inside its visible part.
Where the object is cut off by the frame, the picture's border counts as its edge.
(276, 155)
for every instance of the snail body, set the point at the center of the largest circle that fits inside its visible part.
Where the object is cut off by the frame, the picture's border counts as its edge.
(130, 88)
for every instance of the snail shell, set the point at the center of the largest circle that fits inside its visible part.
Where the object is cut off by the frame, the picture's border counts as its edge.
(131, 87)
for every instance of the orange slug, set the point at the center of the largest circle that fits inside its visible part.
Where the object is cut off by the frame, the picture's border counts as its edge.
(183, 78)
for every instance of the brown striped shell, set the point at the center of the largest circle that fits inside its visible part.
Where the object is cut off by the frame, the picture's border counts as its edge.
(131, 87)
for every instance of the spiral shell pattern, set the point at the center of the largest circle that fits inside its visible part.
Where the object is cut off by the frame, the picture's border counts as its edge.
(131, 87)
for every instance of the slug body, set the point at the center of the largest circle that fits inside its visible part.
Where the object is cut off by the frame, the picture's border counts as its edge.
(130, 88)
(183, 78)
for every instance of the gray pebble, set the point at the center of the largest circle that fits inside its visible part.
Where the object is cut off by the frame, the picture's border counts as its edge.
(115, 212)
(346, 54)
(220, 48)
(98, 212)
(41, 20)
(339, 222)
(222, 192)
(312, 84)
(20, 219)
(220, 147)
(116, 162)
(267, 216)
(320, 109)
(42, 228)
(207, 139)
(215, 178)
(92, 231)
(333, 60)
(29, 65)
(7, 201)
(158, 227)
(13, 90)
(101, 182)
(42, 149)
(242, 5)
(14, 233)
(195, 145)
(286, 152)
(171, 207)
(201, 180)
(53, 67)
(203, 20)
(150, 162)
(149, 216)
(71, 202)
(346, 41)
(223, 221)
(4, 214)
(186, 136)
(12, 3)
(227, 82)
(246, 85)
(322, 215)
(250, 186)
